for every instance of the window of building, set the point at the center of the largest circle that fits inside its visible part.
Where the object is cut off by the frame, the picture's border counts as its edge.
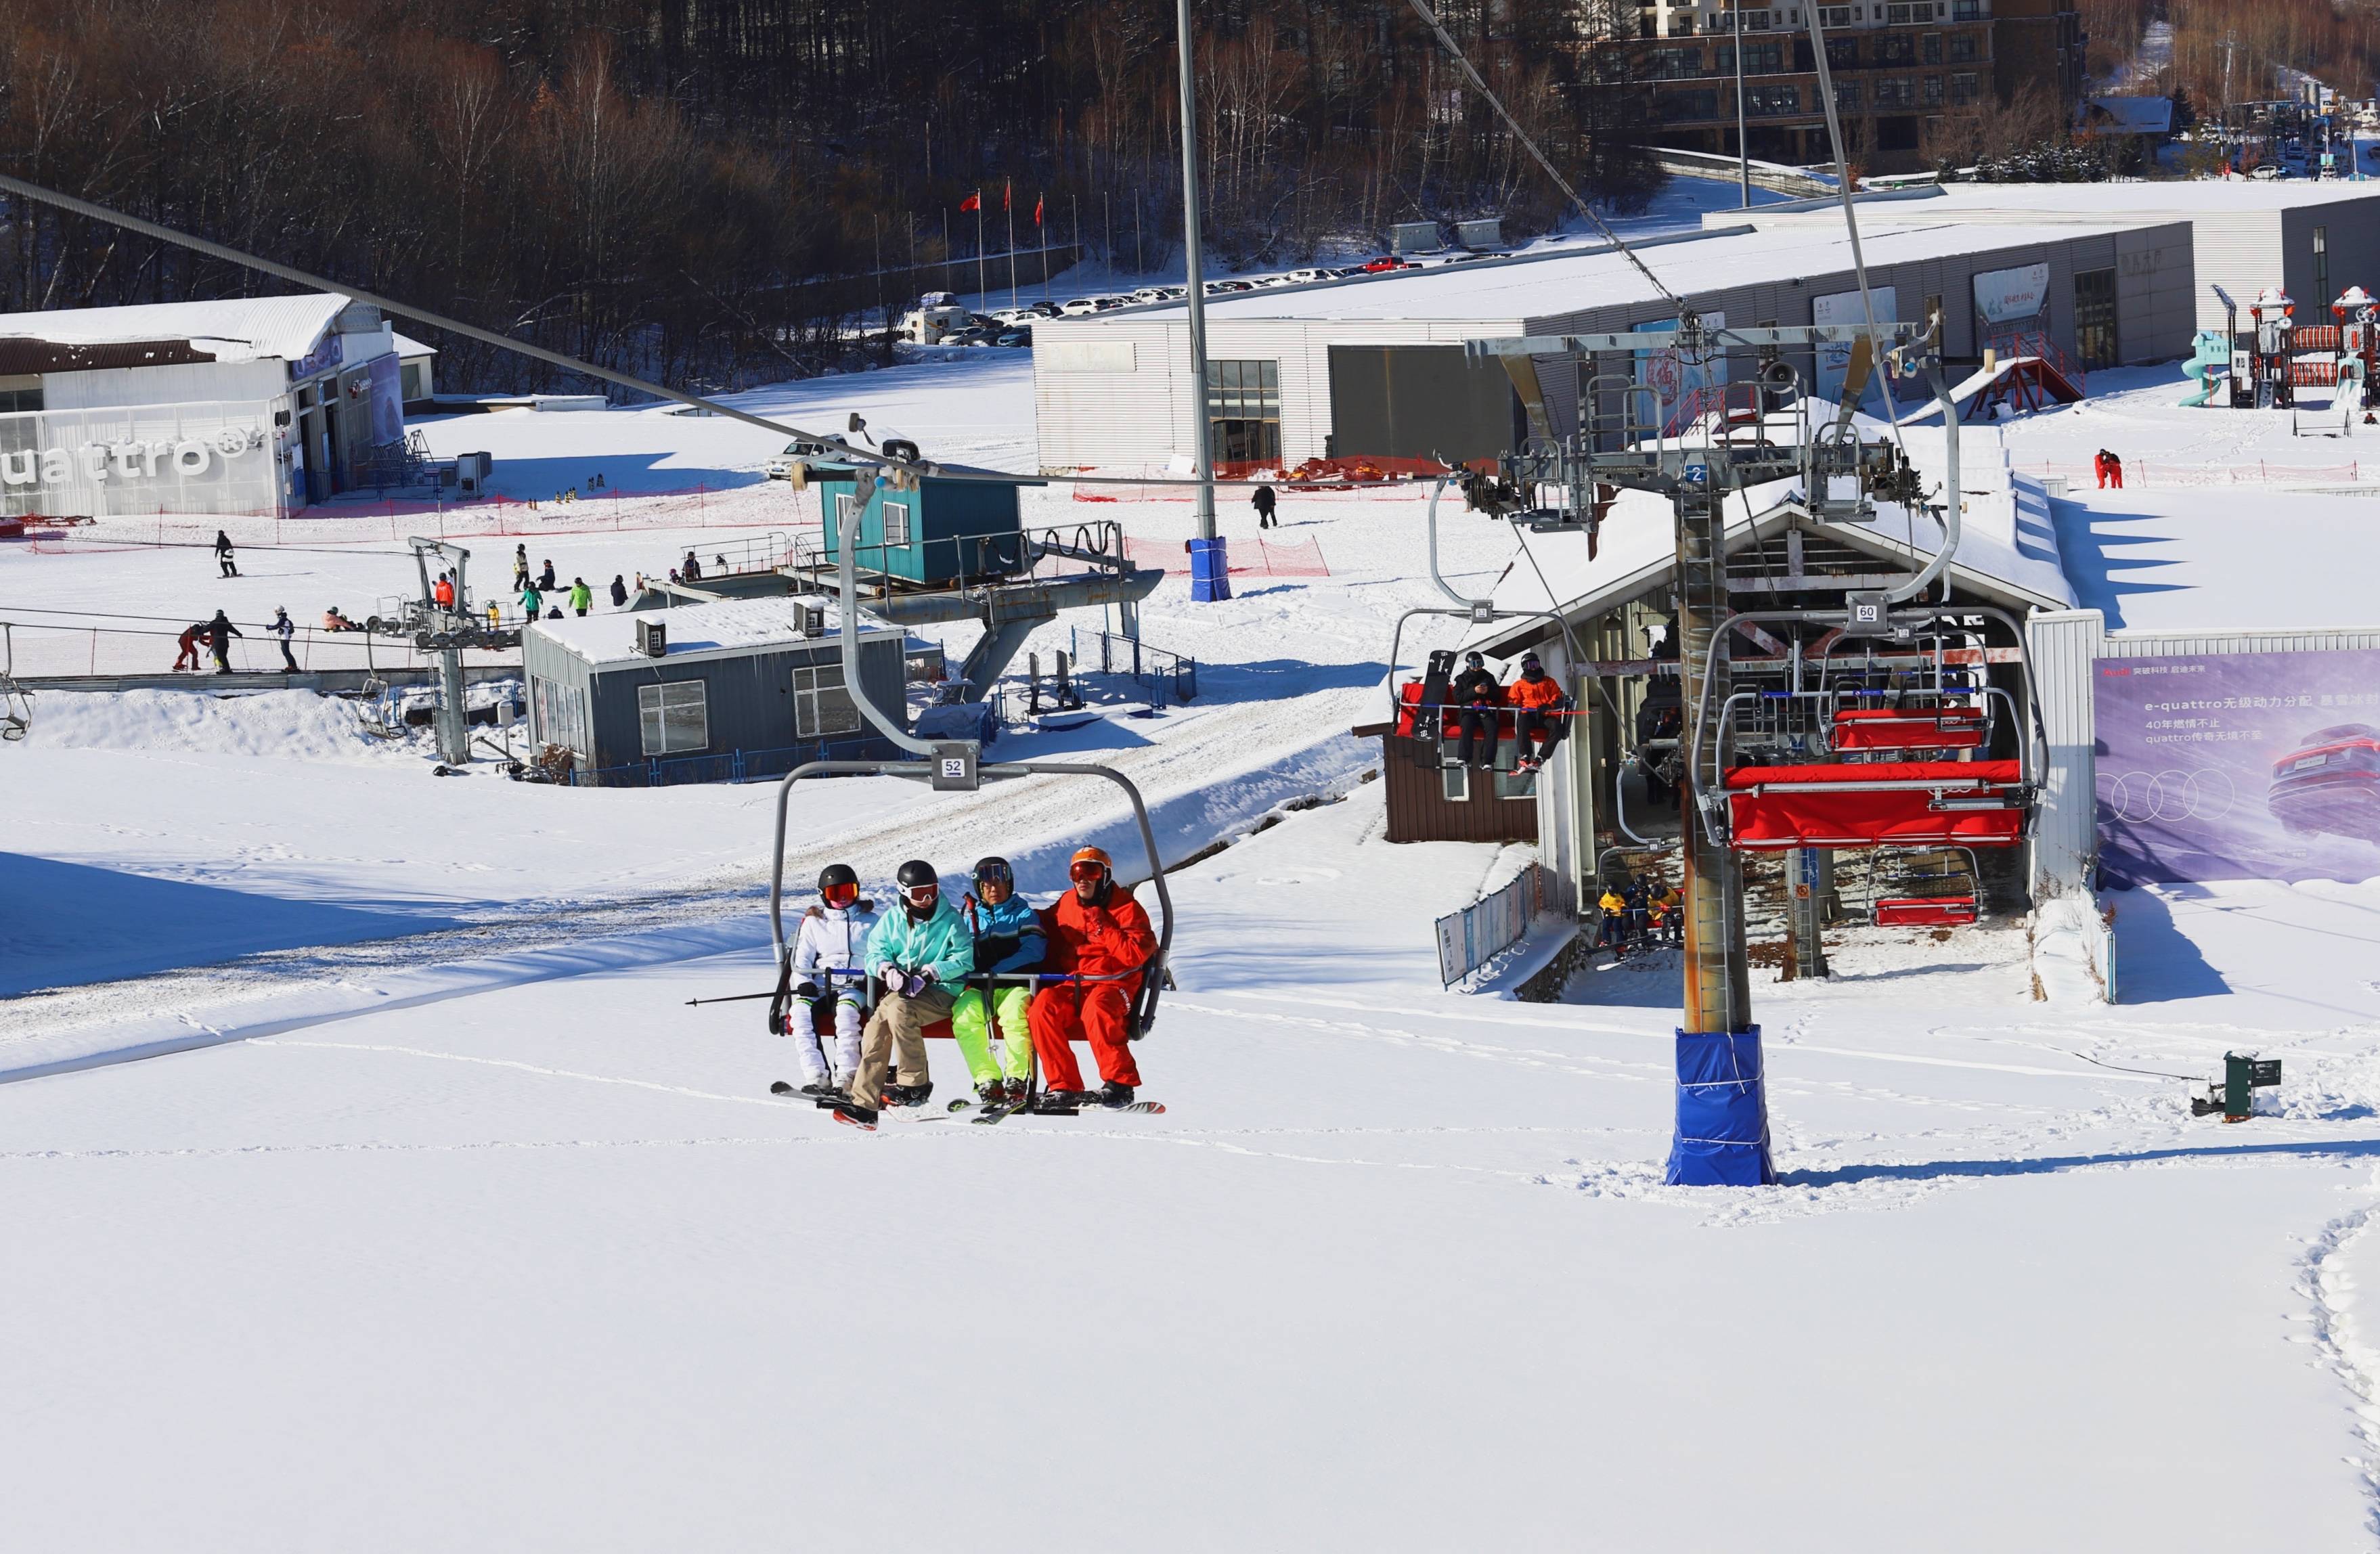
(1455, 783)
(844, 506)
(1771, 101)
(2094, 318)
(1834, 16)
(1891, 50)
(1682, 24)
(1668, 65)
(1932, 93)
(1244, 410)
(1677, 107)
(1847, 97)
(1963, 87)
(1931, 48)
(1842, 54)
(896, 523)
(1966, 10)
(1896, 95)
(16, 400)
(676, 717)
(822, 703)
(1962, 48)
(557, 714)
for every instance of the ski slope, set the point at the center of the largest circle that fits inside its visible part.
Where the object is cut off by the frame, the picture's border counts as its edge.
(440, 1221)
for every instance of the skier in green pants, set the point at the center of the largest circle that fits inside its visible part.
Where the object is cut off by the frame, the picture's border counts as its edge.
(1008, 938)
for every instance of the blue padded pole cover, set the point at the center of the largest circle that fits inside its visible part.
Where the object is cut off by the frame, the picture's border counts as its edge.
(1722, 1113)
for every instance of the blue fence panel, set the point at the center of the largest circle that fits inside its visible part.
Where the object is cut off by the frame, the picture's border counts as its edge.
(1471, 938)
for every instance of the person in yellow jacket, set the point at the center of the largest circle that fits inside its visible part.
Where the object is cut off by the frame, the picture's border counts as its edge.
(1614, 932)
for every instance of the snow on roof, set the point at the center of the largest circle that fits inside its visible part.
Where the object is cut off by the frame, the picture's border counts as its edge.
(697, 631)
(2115, 204)
(2182, 560)
(1534, 288)
(410, 349)
(233, 329)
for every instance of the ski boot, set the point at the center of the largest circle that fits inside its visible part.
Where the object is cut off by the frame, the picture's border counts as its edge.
(1016, 1090)
(1113, 1094)
(861, 1117)
(909, 1095)
(821, 1089)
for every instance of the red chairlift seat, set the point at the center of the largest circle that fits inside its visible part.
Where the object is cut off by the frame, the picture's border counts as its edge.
(1924, 912)
(1901, 728)
(1880, 804)
(1411, 722)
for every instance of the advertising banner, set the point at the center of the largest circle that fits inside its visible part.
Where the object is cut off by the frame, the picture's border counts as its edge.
(1834, 362)
(2006, 296)
(206, 458)
(2239, 765)
(1672, 375)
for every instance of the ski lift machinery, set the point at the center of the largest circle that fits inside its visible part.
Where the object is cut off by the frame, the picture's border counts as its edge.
(1722, 1135)
(954, 766)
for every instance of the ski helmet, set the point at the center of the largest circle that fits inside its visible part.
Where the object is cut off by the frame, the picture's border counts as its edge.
(837, 874)
(1473, 660)
(996, 869)
(916, 872)
(1089, 858)
(1531, 664)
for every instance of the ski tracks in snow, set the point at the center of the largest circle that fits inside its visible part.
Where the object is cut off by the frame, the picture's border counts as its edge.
(2330, 1290)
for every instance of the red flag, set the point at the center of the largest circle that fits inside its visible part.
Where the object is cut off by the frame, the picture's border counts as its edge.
(1004, 195)
(1037, 210)
(972, 201)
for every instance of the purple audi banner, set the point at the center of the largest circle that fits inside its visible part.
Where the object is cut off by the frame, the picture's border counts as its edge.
(2239, 765)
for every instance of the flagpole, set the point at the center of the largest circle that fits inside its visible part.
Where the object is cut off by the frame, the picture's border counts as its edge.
(982, 286)
(1041, 240)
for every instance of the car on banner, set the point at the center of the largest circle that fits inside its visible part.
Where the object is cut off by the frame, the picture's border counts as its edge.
(2330, 783)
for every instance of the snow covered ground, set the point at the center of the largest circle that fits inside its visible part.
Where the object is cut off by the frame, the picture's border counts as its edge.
(453, 1227)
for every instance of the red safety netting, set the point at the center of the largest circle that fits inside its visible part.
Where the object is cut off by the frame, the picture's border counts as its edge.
(1883, 728)
(1881, 803)
(1250, 557)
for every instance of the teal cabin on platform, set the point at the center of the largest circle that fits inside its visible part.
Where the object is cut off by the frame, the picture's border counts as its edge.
(943, 533)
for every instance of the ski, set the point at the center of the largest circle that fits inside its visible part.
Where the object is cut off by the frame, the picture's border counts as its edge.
(1091, 1103)
(994, 1113)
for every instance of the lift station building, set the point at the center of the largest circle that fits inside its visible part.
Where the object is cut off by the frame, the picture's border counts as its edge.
(1374, 366)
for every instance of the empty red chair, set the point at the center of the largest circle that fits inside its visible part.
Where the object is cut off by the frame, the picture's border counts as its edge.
(1898, 728)
(1924, 912)
(1881, 803)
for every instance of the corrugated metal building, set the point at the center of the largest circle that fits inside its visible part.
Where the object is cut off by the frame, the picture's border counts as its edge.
(746, 688)
(1374, 366)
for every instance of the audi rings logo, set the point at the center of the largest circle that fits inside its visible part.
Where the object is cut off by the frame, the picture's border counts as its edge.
(2139, 796)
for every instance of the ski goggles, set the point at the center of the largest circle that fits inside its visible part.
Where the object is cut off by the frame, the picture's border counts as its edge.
(922, 895)
(996, 874)
(840, 895)
(1085, 871)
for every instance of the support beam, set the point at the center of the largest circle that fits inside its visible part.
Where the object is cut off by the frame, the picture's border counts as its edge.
(999, 642)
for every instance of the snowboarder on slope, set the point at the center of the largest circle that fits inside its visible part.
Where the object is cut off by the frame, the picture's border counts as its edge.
(921, 953)
(1477, 694)
(830, 957)
(545, 578)
(1095, 930)
(1539, 700)
(1008, 939)
(223, 563)
(220, 631)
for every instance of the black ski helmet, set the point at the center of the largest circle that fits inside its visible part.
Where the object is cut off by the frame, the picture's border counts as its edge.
(1473, 660)
(837, 874)
(1531, 664)
(916, 872)
(994, 869)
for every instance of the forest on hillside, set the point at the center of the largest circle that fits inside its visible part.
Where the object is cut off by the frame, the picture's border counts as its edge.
(672, 187)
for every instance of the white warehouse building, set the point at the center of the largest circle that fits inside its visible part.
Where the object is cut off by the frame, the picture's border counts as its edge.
(250, 405)
(1374, 366)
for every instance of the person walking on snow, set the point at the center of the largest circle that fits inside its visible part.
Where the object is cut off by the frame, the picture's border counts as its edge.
(619, 592)
(1095, 930)
(830, 957)
(531, 601)
(283, 628)
(1008, 940)
(921, 953)
(1540, 698)
(224, 565)
(189, 657)
(1262, 499)
(581, 596)
(520, 567)
(220, 631)
(1478, 696)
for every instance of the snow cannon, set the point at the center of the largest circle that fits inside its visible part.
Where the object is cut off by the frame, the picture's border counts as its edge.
(2234, 1094)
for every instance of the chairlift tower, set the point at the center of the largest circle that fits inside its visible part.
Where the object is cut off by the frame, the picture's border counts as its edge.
(445, 631)
(1842, 477)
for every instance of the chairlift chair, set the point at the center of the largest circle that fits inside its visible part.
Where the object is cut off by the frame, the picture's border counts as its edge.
(1936, 889)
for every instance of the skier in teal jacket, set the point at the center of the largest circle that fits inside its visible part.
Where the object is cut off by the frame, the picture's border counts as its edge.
(922, 953)
(1008, 938)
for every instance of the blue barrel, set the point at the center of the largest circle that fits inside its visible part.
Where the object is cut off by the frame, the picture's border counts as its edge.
(1210, 573)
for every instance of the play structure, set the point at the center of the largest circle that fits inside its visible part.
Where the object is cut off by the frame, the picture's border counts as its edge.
(2264, 366)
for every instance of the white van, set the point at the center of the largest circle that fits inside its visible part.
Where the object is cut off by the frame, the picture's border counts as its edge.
(938, 313)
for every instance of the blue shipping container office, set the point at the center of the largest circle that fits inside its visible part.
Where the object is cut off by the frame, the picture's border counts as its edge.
(938, 534)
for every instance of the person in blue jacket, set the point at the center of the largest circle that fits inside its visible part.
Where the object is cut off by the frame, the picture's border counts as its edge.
(1008, 939)
(922, 955)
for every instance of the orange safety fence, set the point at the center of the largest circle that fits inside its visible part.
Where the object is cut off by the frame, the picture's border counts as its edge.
(2144, 472)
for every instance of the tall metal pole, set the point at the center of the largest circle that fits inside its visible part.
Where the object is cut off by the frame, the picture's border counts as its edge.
(1718, 979)
(1743, 151)
(1202, 441)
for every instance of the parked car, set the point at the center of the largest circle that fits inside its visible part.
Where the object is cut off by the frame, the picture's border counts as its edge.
(1020, 335)
(2330, 783)
(1149, 293)
(1307, 277)
(2265, 170)
(1344, 272)
(1274, 281)
(782, 467)
(1386, 263)
(1046, 308)
(1078, 307)
(1108, 303)
(974, 334)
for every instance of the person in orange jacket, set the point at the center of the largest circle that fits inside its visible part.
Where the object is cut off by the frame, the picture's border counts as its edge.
(444, 592)
(1095, 929)
(1539, 697)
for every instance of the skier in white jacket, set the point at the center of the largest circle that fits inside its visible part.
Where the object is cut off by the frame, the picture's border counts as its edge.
(829, 955)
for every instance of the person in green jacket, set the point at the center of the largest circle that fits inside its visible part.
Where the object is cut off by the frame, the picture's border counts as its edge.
(922, 955)
(1008, 940)
(581, 596)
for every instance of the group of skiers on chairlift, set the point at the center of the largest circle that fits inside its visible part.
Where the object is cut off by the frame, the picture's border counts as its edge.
(1644, 913)
(1039, 978)
(1479, 699)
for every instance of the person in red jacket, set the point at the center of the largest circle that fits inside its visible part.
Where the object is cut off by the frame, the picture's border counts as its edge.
(1539, 697)
(1095, 929)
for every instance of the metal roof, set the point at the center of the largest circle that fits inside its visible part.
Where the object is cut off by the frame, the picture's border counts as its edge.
(231, 329)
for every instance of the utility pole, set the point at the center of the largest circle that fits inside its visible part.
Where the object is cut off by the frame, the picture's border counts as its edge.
(1743, 151)
(1202, 440)
(1719, 973)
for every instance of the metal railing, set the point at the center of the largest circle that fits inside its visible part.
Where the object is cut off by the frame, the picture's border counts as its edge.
(726, 766)
(1471, 938)
(1156, 671)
